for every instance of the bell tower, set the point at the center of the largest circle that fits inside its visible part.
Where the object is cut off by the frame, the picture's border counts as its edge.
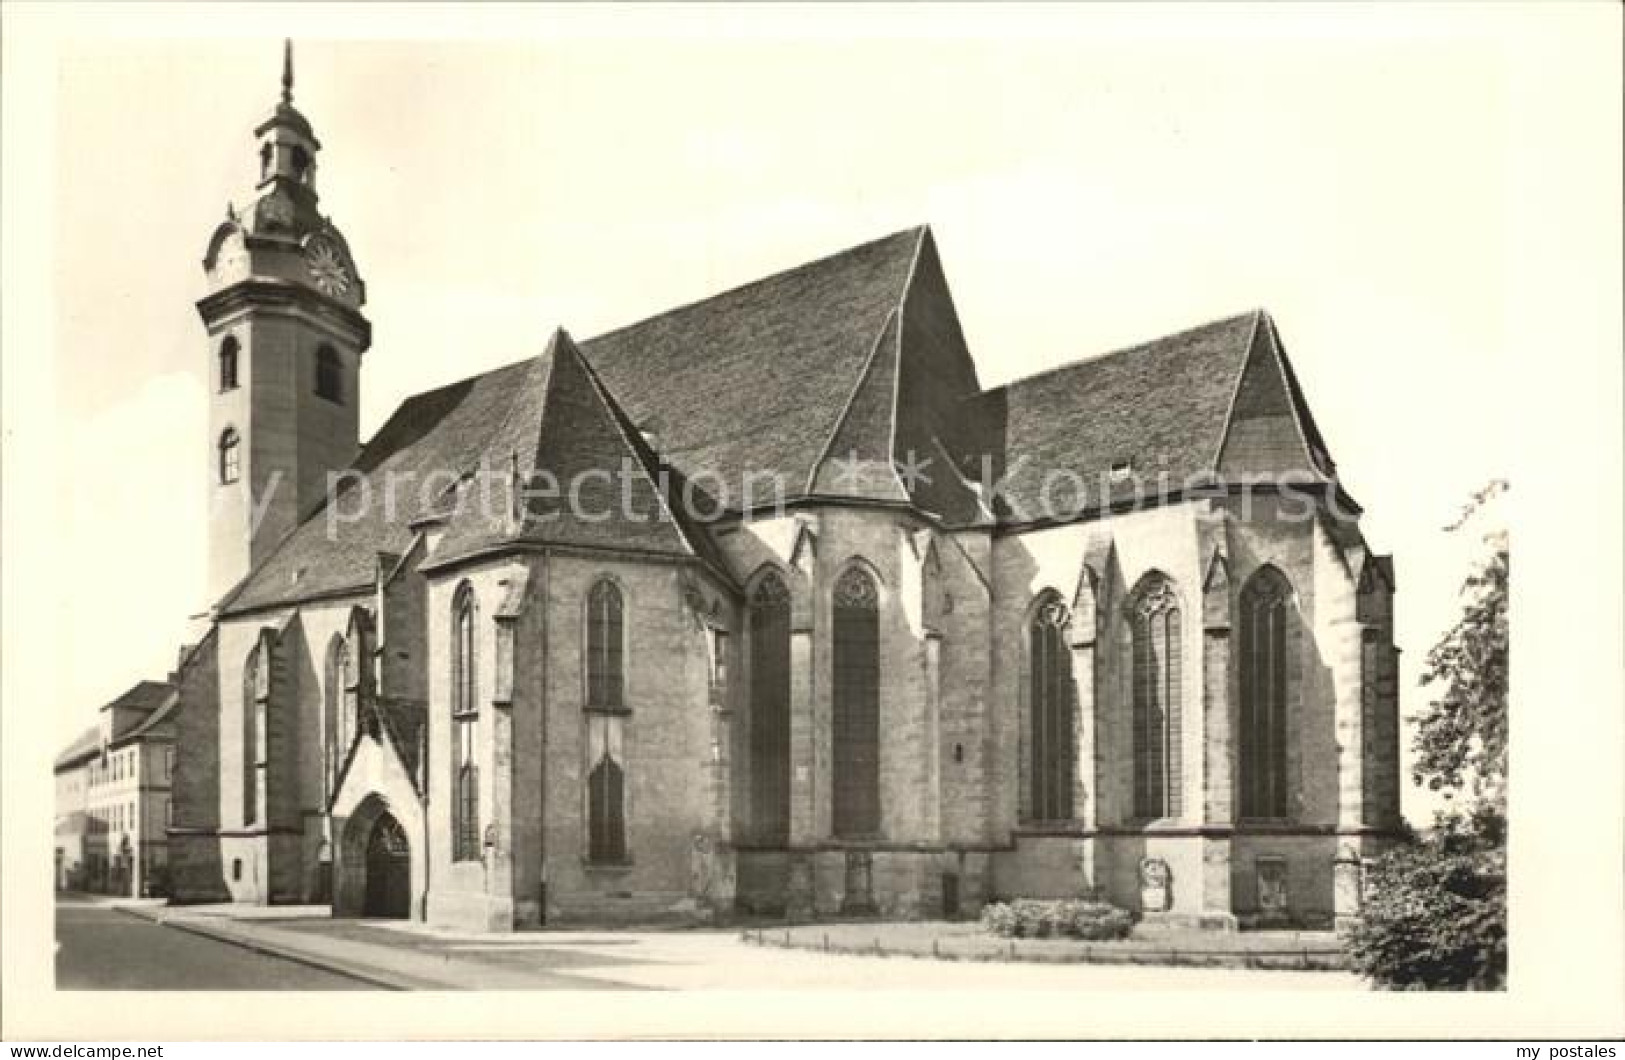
(285, 340)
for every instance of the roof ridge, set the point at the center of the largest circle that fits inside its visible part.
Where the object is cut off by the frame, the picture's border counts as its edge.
(759, 281)
(1235, 392)
(1120, 351)
(1302, 417)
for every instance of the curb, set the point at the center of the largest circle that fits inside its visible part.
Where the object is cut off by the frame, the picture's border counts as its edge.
(267, 949)
(1262, 960)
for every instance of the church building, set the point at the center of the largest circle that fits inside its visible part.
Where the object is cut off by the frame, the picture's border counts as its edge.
(765, 605)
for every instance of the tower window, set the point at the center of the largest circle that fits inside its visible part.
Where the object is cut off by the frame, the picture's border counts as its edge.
(230, 456)
(329, 375)
(228, 364)
(301, 164)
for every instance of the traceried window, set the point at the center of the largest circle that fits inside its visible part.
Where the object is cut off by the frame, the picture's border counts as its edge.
(1050, 700)
(1266, 616)
(329, 375)
(228, 363)
(606, 676)
(253, 737)
(606, 813)
(335, 723)
(230, 458)
(770, 708)
(856, 723)
(1156, 674)
(465, 716)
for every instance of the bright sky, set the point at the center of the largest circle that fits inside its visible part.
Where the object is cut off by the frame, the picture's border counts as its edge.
(1094, 177)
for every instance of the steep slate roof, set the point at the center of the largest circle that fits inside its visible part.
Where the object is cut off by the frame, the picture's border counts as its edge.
(1163, 407)
(788, 351)
(545, 416)
(757, 379)
(850, 363)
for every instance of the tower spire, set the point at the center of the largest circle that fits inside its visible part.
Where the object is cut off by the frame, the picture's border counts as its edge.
(287, 70)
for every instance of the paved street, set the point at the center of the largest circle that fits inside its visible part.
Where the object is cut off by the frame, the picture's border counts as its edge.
(110, 949)
(103, 949)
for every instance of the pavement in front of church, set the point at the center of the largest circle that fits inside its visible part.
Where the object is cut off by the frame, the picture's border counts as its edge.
(402, 955)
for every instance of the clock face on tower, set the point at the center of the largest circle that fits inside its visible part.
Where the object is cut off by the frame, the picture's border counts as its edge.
(327, 268)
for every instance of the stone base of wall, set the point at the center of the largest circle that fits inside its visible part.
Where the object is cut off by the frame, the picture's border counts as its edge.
(196, 874)
(1250, 879)
(855, 881)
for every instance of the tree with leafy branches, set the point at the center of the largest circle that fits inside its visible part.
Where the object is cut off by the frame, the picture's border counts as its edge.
(1435, 911)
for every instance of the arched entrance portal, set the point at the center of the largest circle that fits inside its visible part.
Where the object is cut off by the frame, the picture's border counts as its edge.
(388, 891)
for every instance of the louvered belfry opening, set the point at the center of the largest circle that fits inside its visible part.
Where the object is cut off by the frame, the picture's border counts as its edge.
(1050, 698)
(1157, 672)
(770, 710)
(1265, 614)
(856, 794)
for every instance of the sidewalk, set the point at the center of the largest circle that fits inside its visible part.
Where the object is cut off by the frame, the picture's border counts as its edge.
(365, 951)
(401, 955)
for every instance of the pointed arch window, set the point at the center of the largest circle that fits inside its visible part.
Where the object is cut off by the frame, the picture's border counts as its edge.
(228, 363)
(329, 375)
(606, 812)
(1266, 646)
(254, 736)
(1156, 672)
(230, 466)
(856, 722)
(1050, 698)
(336, 722)
(465, 716)
(606, 676)
(770, 708)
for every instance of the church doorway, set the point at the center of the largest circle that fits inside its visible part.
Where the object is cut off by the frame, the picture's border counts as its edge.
(388, 890)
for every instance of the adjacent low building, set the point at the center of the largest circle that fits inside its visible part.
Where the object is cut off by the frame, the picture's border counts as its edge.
(112, 797)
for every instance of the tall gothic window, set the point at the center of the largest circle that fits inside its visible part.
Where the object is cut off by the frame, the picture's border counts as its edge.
(230, 458)
(465, 716)
(1050, 701)
(1266, 612)
(329, 375)
(254, 737)
(606, 816)
(334, 722)
(228, 363)
(606, 677)
(770, 708)
(1156, 675)
(857, 705)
